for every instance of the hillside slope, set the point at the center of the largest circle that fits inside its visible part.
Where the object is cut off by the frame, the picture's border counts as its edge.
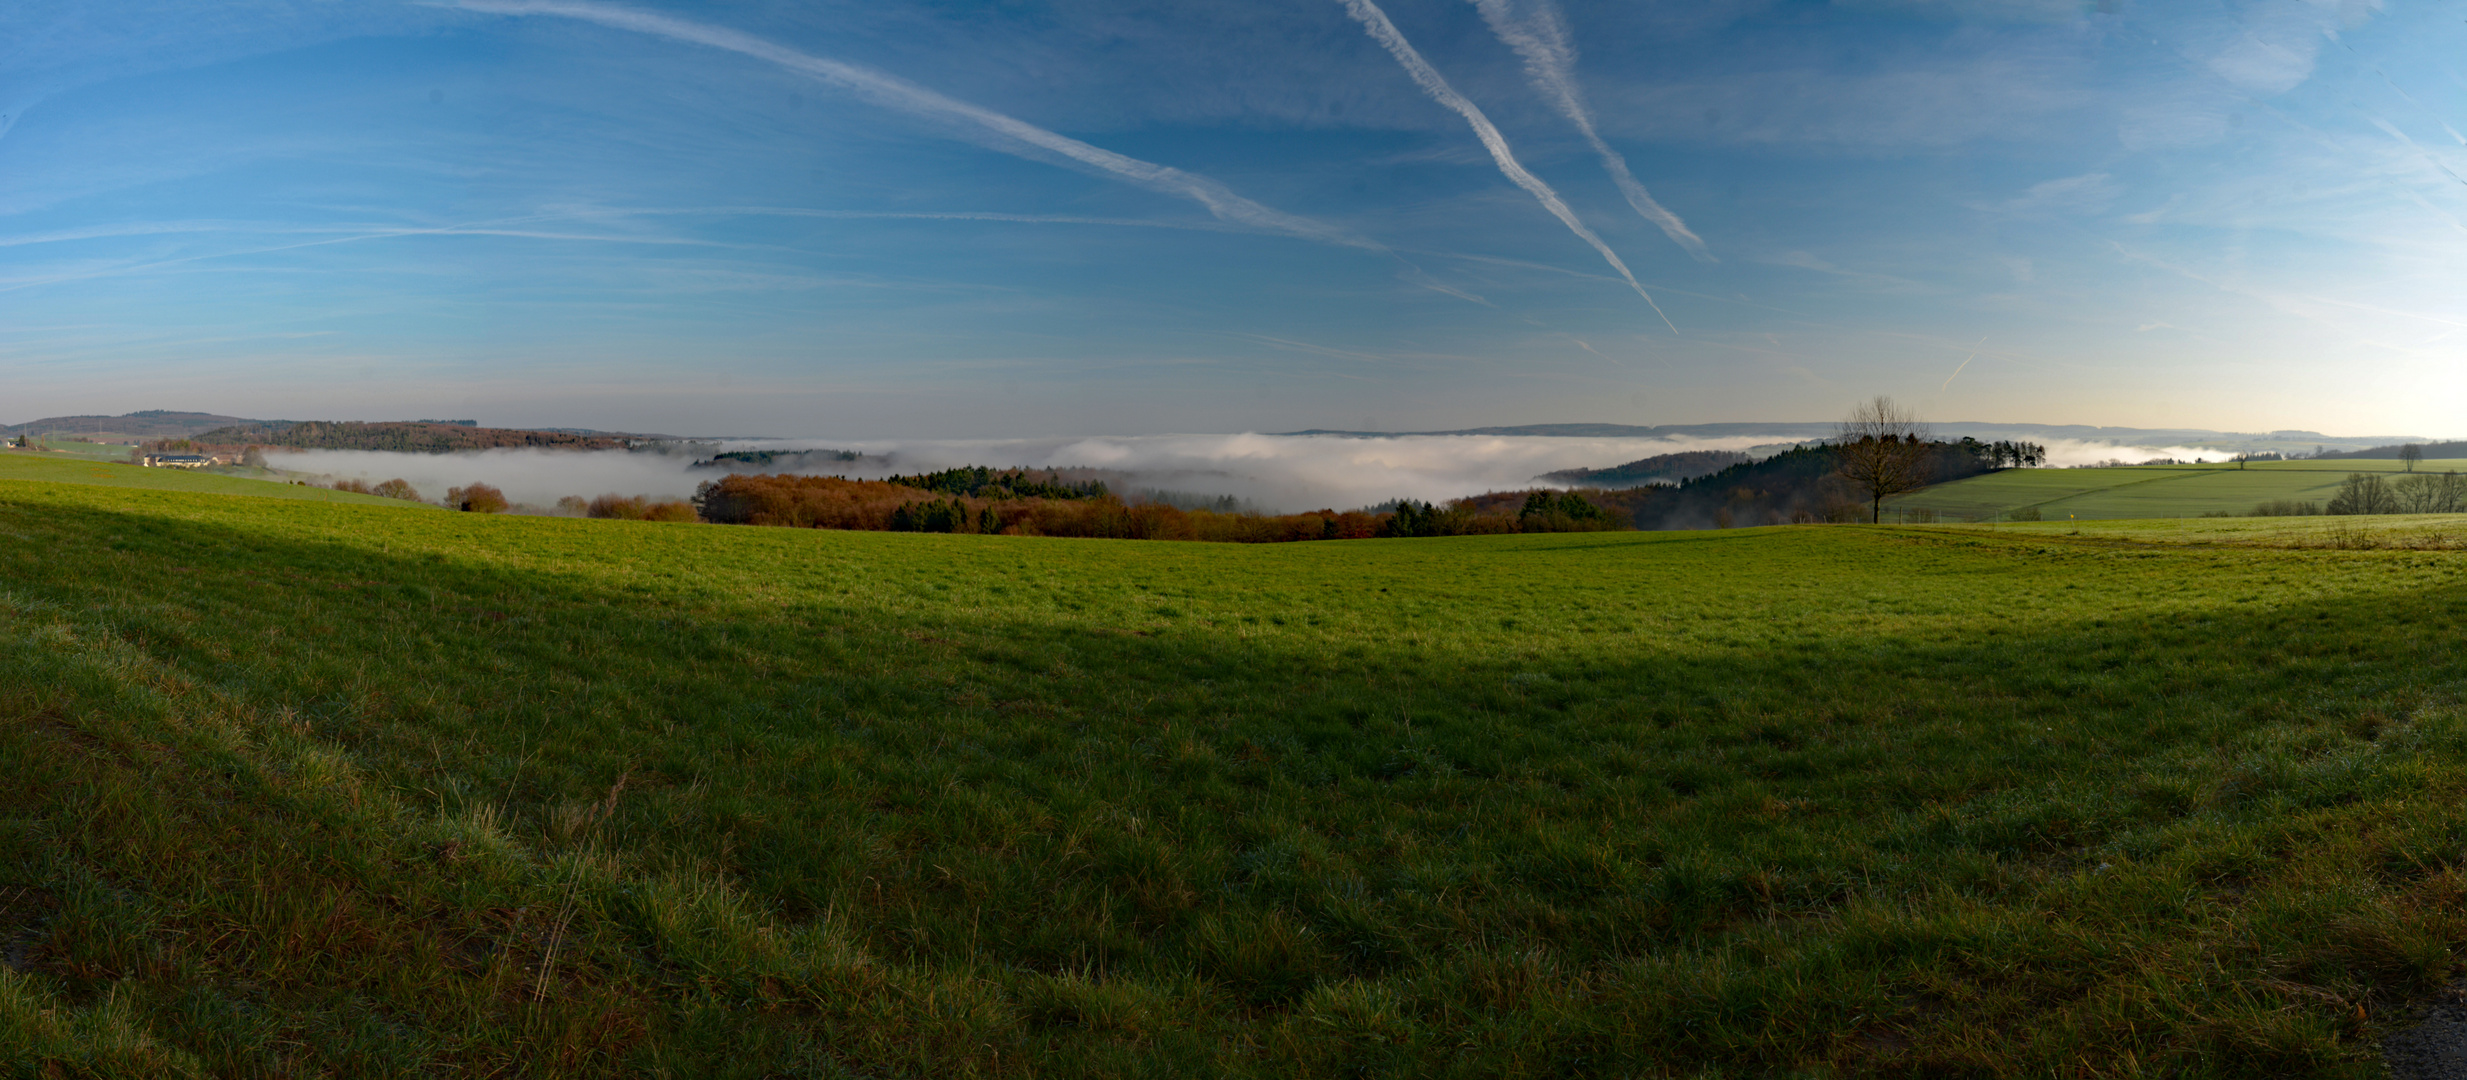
(324, 789)
(2139, 491)
(148, 424)
(68, 469)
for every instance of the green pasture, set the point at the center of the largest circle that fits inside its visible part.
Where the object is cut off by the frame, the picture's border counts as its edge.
(2418, 532)
(321, 789)
(66, 449)
(2140, 491)
(46, 467)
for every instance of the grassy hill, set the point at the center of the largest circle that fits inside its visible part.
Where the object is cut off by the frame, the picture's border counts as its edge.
(149, 424)
(2139, 491)
(315, 788)
(71, 467)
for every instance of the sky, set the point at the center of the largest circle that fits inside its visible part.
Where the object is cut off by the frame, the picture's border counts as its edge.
(1048, 219)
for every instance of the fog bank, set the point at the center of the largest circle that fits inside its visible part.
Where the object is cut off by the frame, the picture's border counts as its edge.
(1281, 473)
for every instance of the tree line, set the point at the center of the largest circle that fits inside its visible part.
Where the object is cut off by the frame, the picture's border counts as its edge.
(1085, 509)
(2417, 493)
(979, 482)
(1541, 510)
(1056, 507)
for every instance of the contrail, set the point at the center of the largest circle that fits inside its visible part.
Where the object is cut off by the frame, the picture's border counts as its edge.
(895, 93)
(1957, 371)
(1541, 38)
(1588, 347)
(1427, 77)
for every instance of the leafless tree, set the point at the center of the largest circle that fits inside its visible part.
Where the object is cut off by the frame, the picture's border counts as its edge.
(2409, 454)
(1883, 450)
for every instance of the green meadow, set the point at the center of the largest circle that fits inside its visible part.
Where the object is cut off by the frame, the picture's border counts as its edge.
(2141, 491)
(73, 450)
(319, 788)
(65, 468)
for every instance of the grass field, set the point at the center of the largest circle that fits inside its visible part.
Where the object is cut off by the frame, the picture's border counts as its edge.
(311, 788)
(2140, 491)
(72, 469)
(68, 449)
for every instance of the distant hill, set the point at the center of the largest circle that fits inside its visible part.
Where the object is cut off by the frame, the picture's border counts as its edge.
(1665, 468)
(2289, 441)
(1606, 431)
(2432, 450)
(149, 424)
(217, 429)
(410, 437)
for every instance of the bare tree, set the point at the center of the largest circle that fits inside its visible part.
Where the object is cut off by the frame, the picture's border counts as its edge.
(2409, 454)
(1883, 450)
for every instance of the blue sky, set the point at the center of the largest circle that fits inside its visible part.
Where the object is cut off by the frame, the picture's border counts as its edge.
(1030, 219)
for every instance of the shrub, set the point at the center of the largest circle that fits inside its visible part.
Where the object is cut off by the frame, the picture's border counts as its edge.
(397, 488)
(637, 508)
(2287, 508)
(617, 507)
(477, 499)
(358, 487)
(573, 505)
(2027, 513)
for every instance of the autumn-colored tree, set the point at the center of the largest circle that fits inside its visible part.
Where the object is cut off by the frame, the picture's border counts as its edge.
(830, 502)
(397, 488)
(1882, 450)
(638, 508)
(477, 499)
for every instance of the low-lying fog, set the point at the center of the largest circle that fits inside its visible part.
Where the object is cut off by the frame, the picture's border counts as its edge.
(1277, 473)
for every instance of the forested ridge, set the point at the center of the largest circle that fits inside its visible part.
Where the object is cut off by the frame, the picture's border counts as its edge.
(978, 481)
(1673, 468)
(1803, 485)
(401, 436)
